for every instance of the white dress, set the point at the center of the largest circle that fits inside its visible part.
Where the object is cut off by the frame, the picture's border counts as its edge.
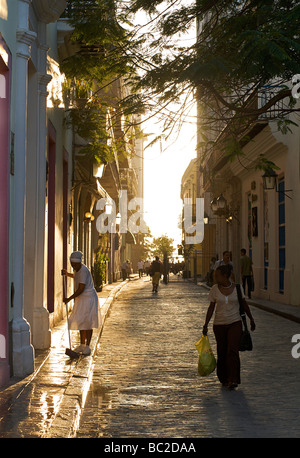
(86, 311)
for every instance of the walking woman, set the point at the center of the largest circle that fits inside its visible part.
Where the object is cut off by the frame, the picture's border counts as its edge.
(227, 325)
(85, 312)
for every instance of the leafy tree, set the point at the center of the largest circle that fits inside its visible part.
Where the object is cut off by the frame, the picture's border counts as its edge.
(162, 246)
(94, 70)
(239, 67)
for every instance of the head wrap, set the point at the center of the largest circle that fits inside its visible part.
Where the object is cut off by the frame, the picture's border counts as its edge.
(76, 256)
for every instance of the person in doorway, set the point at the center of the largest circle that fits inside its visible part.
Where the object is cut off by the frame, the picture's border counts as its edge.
(140, 266)
(155, 272)
(85, 312)
(227, 326)
(224, 262)
(246, 271)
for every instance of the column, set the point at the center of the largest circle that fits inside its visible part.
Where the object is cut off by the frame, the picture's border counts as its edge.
(23, 352)
(41, 327)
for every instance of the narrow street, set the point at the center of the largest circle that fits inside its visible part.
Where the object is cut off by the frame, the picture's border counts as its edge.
(145, 381)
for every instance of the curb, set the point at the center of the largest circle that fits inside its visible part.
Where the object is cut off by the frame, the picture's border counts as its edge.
(66, 421)
(266, 308)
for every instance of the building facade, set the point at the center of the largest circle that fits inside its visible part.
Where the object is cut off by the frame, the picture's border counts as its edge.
(247, 215)
(197, 256)
(49, 190)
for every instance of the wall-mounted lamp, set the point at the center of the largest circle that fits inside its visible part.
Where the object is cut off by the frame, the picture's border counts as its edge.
(88, 216)
(214, 205)
(118, 218)
(218, 203)
(270, 182)
(269, 179)
(98, 170)
(221, 201)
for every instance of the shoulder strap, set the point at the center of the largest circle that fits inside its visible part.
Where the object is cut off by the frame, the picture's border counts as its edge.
(242, 311)
(238, 289)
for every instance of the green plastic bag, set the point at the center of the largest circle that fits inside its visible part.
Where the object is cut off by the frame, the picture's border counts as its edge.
(207, 362)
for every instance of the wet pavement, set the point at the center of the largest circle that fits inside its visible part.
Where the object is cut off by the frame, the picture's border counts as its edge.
(145, 381)
(141, 380)
(48, 402)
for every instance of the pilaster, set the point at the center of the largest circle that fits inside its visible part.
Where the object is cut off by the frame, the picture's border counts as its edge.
(23, 352)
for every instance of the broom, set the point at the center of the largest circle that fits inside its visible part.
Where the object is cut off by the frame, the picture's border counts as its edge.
(69, 352)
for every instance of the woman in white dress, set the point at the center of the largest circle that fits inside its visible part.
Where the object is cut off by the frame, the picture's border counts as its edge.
(85, 312)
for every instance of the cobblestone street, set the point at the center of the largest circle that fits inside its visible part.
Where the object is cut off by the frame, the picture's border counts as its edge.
(145, 381)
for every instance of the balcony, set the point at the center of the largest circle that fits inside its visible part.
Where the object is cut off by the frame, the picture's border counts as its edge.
(49, 10)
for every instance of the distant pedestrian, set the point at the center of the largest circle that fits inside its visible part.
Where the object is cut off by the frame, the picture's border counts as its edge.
(84, 316)
(147, 267)
(227, 325)
(224, 262)
(246, 272)
(140, 266)
(210, 280)
(155, 272)
(126, 269)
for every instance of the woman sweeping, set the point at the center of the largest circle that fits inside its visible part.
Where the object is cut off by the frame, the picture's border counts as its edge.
(227, 325)
(85, 312)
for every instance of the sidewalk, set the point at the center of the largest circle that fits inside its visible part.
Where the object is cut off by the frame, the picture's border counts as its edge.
(290, 312)
(48, 403)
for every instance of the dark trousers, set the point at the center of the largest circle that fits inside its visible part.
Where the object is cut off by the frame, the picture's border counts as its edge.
(248, 279)
(228, 338)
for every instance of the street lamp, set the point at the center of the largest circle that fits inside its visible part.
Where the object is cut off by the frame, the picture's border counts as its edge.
(221, 201)
(269, 179)
(88, 216)
(118, 218)
(214, 205)
(218, 203)
(270, 182)
(98, 170)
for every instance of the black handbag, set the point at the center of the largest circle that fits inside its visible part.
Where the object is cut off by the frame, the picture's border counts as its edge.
(246, 341)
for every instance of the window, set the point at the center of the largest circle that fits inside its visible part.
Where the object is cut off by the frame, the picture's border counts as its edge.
(266, 238)
(281, 234)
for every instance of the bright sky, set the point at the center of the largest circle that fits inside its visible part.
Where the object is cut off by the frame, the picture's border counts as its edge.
(164, 165)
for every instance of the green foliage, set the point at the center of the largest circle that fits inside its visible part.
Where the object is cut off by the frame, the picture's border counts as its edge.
(99, 59)
(100, 270)
(242, 46)
(162, 245)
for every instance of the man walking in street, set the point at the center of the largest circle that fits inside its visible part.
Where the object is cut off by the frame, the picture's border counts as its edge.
(246, 272)
(155, 272)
